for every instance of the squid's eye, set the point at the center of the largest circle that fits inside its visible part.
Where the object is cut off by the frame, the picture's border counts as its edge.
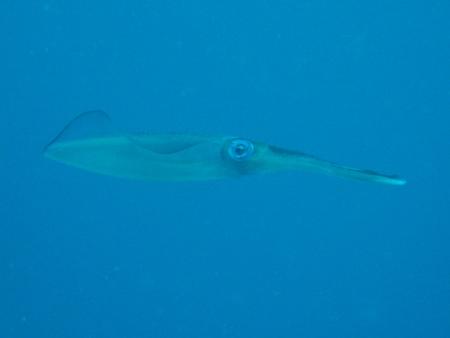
(240, 149)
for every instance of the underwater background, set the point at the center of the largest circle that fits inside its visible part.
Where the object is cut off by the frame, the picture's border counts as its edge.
(284, 255)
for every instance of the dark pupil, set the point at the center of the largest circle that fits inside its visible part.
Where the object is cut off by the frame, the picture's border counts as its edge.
(240, 149)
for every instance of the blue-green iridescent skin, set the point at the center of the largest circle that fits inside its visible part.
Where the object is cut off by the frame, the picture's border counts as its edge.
(187, 157)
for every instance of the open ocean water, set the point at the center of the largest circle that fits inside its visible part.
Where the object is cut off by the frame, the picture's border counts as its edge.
(286, 255)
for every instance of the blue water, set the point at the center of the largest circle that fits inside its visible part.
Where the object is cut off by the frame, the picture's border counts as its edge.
(284, 255)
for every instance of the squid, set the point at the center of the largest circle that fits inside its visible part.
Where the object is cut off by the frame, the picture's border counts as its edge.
(90, 142)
